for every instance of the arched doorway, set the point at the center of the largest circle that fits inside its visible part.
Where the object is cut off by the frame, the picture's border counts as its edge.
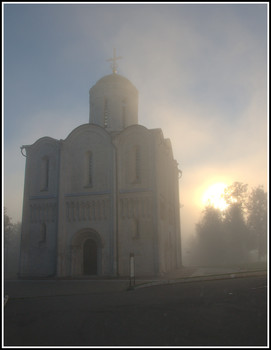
(86, 253)
(90, 255)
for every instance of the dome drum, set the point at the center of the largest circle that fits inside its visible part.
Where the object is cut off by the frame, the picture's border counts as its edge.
(113, 103)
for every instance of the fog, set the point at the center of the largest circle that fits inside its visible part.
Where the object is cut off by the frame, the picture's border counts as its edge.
(200, 71)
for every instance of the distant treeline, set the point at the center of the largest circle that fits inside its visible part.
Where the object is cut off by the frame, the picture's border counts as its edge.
(12, 237)
(235, 235)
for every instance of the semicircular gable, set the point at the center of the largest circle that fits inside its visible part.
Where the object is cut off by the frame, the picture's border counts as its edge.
(46, 140)
(162, 141)
(87, 128)
(158, 133)
(168, 146)
(84, 234)
(133, 130)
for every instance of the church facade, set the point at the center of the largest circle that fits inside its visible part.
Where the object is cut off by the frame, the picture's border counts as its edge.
(110, 189)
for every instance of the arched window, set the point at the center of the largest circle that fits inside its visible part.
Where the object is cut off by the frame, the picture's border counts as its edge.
(105, 112)
(137, 164)
(44, 173)
(123, 111)
(43, 233)
(134, 165)
(89, 169)
(136, 229)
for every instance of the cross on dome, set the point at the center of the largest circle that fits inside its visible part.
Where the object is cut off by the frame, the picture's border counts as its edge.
(114, 59)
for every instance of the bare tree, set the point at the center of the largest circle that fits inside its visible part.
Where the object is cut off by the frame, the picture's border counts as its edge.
(236, 234)
(211, 249)
(230, 236)
(257, 220)
(11, 246)
(7, 223)
(237, 193)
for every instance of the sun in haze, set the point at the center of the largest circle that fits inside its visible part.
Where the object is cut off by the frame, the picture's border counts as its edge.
(214, 196)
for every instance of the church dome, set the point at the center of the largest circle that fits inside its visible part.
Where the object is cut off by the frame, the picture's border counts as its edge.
(113, 103)
(114, 79)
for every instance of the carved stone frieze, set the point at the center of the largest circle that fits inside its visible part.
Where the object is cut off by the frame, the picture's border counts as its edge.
(43, 211)
(135, 207)
(87, 210)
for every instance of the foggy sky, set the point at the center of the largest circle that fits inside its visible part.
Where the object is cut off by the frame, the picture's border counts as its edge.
(201, 72)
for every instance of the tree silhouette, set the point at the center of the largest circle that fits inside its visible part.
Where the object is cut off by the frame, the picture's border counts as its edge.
(229, 236)
(257, 220)
(11, 246)
(7, 223)
(236, 233)
(210, 237)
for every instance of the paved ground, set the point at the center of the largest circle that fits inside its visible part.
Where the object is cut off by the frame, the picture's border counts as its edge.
(30, 288)
(204, 310)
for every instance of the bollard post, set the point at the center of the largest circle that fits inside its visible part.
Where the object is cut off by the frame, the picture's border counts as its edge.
(132, 271)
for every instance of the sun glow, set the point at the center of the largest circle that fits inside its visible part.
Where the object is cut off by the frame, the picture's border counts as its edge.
(214, 196)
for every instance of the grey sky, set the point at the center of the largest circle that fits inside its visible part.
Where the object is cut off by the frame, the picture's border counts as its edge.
(201, 72)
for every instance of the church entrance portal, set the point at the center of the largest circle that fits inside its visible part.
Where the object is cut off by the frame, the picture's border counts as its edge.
(86, 253)
(90, 257)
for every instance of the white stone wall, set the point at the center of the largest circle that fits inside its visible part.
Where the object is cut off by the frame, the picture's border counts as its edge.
(112, 181)
(84, 206)
(168, 219)
(39, 222)
(136, 229)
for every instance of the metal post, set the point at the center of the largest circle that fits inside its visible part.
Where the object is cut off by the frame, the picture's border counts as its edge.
(132, 271)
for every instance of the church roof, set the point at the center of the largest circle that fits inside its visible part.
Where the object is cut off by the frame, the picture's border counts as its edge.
(114, 79)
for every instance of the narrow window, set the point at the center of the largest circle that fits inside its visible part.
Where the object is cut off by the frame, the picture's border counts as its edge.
(162, 209)
(45, 173)
(137, 164)
(105, 113)
(89, 169)
(123, 111)
(136, 229)
(43, 233)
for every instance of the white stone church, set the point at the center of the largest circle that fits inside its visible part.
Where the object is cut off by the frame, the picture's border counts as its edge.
(108, 190)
